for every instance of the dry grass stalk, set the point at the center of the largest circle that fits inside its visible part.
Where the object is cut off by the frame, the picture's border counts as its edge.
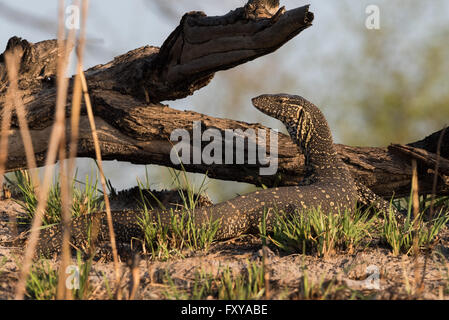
(76, 96)
(66, 196)
(415, 203)
(53, 147)
(5, 126)
(74, 130)
(103, 182)
(12, 61)
(12, 65)
(62, 291)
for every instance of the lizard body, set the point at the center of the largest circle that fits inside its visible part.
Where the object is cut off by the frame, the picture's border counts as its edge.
(328, 185)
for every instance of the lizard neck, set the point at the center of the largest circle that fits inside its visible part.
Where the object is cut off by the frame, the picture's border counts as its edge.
(320, 157)
(312, 134)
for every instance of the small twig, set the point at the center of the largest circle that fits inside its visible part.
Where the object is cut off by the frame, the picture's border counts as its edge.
(416, 216)
(435, 177)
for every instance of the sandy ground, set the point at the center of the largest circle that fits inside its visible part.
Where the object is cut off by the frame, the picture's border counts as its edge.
(357, 271)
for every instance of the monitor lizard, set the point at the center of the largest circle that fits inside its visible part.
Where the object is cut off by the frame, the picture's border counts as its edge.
(328, 185)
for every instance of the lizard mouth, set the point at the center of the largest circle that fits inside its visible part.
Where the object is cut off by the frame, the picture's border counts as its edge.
(264, 103)
(257, 101)
(269, 103)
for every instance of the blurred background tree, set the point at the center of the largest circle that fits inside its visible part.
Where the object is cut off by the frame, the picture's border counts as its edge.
(374, 86)
(395, 84)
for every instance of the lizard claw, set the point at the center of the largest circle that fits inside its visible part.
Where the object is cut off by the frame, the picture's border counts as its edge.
(278, 15)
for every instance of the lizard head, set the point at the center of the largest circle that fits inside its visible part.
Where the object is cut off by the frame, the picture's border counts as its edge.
(305, 123)
(283, 107)
(290, 109)
(295, 112)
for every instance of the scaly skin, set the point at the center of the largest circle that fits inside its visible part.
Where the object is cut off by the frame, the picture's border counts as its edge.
(328, 185)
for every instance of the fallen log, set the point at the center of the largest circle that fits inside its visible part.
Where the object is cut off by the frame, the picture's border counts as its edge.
(134, 126)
